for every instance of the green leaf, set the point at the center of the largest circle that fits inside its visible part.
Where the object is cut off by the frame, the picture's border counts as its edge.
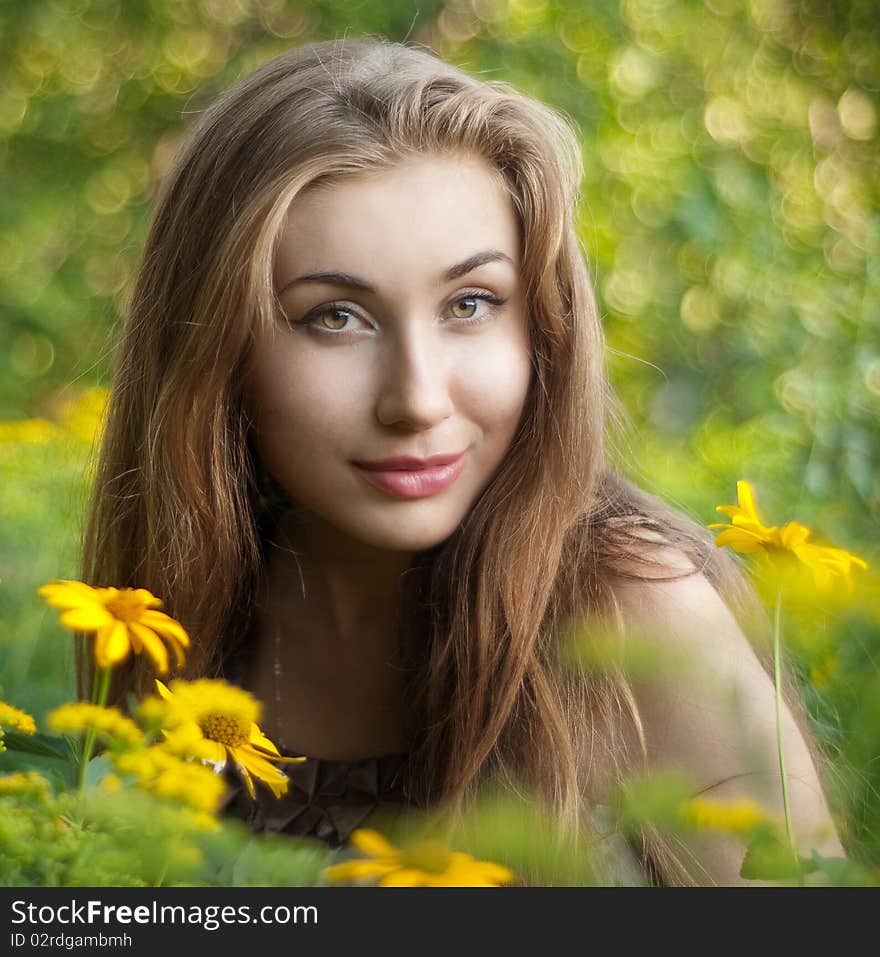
(842, 872)
(43, 745)
(768, 859)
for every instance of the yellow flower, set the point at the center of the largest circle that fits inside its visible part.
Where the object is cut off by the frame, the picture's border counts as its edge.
(158, 771)
(424, 864)
(84, 416)
(212, 720)
(110, 723)
(747, 533)
(27, 431)
(124, 620)
(736, 817)
(14, 720)
(29, 783)
(111, 784)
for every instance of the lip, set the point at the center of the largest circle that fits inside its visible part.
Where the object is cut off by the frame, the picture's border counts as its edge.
(404, 479)
(408, 463)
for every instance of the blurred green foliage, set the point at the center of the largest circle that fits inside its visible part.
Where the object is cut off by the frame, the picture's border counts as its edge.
(729, 214)
(130, 839)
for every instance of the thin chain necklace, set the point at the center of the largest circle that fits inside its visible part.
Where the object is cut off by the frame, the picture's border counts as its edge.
(277, 668)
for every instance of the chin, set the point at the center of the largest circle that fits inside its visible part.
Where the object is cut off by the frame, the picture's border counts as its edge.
(404, 536)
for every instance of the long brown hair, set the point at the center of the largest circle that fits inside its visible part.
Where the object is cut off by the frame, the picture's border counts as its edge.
(182, 505)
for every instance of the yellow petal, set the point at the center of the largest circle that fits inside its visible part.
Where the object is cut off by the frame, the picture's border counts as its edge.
(259, 740)
(461, 878)
(165, 625)
(177, 648)
(87, 617)
(827, 562)
(137, 646)
(405, 877)
(729, 510)
(152, 645)
(486, 870)
(248, 783)
(371, 842)
(68, 594)
(748, 524)
(838, 557)
(252, 763)
(740, 540)
(793, 534)
(112, 645)
(746, 498)
(357, 870)
(339, 873)
(208, 750)
(147, 597)
(163, 690)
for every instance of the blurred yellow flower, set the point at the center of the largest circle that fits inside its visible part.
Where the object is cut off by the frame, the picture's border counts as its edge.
(212, 720)
(124, 620)
(24, 782)
(747, 533)
(110, 723)
(736, 817)
(27, 431)
(12, 719)
(158, 771)
(111, 784)
(84, 416)
(423, 864)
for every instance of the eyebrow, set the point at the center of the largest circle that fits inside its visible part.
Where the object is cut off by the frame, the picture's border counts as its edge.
(453, 272)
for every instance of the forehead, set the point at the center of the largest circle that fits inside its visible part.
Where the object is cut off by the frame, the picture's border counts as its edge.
(406, 222)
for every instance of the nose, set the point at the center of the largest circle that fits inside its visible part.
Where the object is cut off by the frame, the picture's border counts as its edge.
(414, 388)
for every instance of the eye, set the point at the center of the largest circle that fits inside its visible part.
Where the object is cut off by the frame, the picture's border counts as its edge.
(470, 303)
(464, 307)
(332, 318)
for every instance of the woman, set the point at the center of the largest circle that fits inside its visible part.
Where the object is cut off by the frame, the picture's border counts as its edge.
(357, 439)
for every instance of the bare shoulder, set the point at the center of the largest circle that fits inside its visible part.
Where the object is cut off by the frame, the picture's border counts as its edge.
(709, 707)
(675, 601)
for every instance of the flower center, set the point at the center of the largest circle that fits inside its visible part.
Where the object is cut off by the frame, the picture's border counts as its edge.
(126, 605)
(224, 729)
(430, 856)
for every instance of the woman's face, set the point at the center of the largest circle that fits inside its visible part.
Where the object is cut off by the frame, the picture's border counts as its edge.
(406, 335)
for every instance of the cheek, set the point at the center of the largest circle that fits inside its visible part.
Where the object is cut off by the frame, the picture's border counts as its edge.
(300, 395)
(491, 383)
(300, 409)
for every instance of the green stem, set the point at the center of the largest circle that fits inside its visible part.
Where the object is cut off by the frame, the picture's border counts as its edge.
(100, 688)
(777, 669)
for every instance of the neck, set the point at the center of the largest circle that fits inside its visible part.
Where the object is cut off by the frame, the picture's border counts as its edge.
(327, 664)
(349, 590)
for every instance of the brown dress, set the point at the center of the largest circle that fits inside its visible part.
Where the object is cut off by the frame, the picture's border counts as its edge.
(326, 799)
